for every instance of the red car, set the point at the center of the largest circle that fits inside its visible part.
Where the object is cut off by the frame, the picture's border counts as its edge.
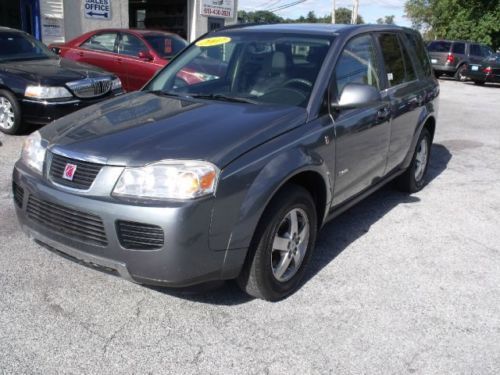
(133, 55)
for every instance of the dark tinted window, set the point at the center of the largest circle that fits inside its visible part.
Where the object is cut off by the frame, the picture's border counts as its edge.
(101, 42)
(487, 51)
(418, 46)
(458, 48)
(410, 74)
(131, 45)
(475, 49)
(166, 46)
(358, 64)
(439, 46)
(393, 59)
(17, 46)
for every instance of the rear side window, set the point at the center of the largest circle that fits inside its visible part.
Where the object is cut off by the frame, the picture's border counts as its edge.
(101, 42)
(475, 50)
(458, 48)
(439, 46)
(358, 64)
(487, 51)
(394, 60)
(418, 46)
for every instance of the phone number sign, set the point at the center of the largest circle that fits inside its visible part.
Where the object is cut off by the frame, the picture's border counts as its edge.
(217, 8)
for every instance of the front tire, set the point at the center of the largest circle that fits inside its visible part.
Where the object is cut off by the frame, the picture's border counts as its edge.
(10, 113)
(413, 179)
(282, 246)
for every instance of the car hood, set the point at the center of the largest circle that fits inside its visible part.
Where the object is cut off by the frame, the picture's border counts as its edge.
(52, 71)
(140, 128)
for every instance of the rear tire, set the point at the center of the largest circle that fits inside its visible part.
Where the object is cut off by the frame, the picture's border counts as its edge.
(282, 246)
(459, 74)
(413, 179)
(10, 113)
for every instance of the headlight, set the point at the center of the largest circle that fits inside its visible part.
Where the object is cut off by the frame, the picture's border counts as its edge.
(169, 179)
(47, 92)
(116, 84)
(33, 153)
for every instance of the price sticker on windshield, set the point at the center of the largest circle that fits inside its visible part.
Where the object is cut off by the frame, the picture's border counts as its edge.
(215, 41)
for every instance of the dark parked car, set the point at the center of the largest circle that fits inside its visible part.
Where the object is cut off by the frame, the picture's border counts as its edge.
(133, 55)
(36, 86)
(451, 57)
(487, 71)
(233, 177)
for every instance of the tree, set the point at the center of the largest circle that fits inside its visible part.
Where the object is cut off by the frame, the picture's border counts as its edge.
(260, 16)
(344, 15)
(477, 20)
(387, 20)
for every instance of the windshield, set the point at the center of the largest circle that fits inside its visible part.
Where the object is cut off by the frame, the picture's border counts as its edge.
(253, 68)
(166, 45)
(17, 46)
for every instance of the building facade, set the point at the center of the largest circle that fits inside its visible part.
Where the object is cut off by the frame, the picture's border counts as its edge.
(61, 20)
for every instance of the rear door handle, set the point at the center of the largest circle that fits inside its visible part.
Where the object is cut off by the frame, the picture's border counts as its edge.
(384, 113)
(80, 54)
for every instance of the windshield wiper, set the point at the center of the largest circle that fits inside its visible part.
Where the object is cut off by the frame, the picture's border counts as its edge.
(236, 99)
(168, 93)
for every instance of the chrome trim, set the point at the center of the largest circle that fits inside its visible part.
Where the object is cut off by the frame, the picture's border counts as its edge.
(55, 149)
(91, 87)
(45, 102)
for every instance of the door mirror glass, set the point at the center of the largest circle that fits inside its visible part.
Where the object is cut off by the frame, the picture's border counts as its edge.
(357, 95)
(145, 55)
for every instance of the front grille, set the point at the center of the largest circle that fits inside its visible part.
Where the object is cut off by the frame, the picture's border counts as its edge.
(138, 236)
(75, 224)
(18, 194)
(90, 87)
(84, 176)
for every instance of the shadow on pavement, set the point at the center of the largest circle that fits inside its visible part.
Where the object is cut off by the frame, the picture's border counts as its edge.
(334, 238)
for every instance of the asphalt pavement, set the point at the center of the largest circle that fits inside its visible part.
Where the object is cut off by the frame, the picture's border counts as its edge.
(398, 284)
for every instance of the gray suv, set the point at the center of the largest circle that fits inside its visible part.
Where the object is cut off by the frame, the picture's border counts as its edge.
(230, 160)
(451, 57)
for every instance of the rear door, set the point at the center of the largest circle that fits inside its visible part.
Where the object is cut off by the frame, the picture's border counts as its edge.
(99, 50)
(405, 94)
(137, 70)
(362, 134)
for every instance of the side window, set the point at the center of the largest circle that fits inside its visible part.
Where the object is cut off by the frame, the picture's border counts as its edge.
(487, 51)
(410, 74)
(358, 64)
(130, 45)
(421, 52)
(475, 50)
(393, 59)
(101, 42)
(458, 48)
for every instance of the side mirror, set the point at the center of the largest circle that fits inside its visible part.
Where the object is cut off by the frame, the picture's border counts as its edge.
(356, 95)
(145, 55)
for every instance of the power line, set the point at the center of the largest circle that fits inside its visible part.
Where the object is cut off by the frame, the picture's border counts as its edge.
(286, 6)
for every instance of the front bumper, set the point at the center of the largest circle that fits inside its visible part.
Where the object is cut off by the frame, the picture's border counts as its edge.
(41, 112)
(185, 258)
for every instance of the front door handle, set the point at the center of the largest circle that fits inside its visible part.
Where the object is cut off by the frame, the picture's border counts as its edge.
(384, 113)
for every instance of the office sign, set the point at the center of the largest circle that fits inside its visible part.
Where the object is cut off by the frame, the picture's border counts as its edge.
(217, 8)
(97, 9)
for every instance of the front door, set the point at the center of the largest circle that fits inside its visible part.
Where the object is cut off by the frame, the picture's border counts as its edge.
(30, 17)
(362, 134)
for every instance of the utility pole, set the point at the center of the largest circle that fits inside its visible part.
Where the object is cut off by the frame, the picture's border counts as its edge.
(355, 10)
(333, 12)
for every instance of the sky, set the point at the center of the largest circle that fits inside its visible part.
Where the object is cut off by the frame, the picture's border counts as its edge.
(370, 10)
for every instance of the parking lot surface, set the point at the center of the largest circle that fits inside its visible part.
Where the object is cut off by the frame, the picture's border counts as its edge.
(398, 284)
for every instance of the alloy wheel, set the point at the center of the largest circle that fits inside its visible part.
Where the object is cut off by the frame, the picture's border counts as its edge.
(421, 159)
(6, 113)
(290, 244)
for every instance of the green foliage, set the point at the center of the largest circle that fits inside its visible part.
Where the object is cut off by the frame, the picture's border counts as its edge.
(475, 20)
(342, 15)
(387, 20)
